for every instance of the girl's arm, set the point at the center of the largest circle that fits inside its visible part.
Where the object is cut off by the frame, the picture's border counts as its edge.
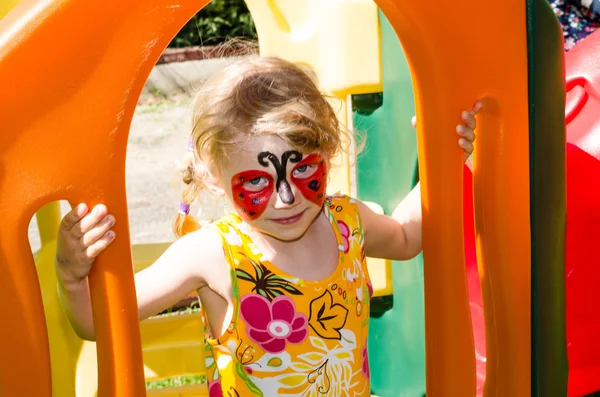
(186, 266)
(179, 271)
(398, 237)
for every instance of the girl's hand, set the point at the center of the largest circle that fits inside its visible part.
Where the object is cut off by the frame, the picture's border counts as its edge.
(465, 130)
(82, 236)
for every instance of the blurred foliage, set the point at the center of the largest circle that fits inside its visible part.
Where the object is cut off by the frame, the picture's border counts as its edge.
(216, 23)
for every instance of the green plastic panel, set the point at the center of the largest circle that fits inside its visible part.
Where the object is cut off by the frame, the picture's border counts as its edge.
(386, 173)
(548, 200)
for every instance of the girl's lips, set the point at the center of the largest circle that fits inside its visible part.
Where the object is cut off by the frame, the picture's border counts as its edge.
(289, 221)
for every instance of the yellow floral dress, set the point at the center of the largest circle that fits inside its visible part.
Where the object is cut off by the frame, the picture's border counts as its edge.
(290, 337)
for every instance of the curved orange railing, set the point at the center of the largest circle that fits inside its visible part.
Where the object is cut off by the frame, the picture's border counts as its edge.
(64, 133)
(64, 136)
(458, 52)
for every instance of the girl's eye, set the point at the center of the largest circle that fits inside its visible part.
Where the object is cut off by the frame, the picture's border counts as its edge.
(256, 184)
(304, 171)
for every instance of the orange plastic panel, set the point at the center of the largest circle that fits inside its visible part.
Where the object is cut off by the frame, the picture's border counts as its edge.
(457, 52)
(65, 115)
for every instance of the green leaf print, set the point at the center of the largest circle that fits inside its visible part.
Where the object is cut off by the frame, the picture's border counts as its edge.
(243, 275)
(243, 375)
(266, 283)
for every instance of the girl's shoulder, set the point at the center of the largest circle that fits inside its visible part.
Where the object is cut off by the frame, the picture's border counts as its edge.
(231, 229)
(197, 254)
(338, 203)
(340, 200)
(344, 209)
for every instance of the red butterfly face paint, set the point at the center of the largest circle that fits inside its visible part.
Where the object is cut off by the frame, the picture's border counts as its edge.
(252, 191)
(312, 187)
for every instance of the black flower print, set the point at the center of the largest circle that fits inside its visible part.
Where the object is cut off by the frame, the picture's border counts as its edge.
(266, 283)
(327, 318)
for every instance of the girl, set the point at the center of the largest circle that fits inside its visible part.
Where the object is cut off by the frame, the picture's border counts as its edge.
(283, 281)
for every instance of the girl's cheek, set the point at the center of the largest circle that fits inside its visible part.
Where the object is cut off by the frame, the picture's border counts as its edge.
(249, 204)
(313, 188)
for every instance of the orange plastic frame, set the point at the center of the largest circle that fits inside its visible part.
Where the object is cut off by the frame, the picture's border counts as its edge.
(65, 111)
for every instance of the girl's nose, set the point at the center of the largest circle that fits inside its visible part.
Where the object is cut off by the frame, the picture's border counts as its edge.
(287, 196)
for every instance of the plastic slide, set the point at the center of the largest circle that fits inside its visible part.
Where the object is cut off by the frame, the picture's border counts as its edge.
(583, 215)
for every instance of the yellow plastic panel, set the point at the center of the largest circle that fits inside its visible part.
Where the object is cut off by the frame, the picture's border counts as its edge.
(380, 270)
(6, 6)
(146, 254)
(64, 343)
(173, 346)
(340, 40)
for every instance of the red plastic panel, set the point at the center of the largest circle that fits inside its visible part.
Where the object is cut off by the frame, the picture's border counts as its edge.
(583, 216)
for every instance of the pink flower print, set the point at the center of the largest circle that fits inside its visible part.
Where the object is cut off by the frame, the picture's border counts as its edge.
(214, 389)
(365, 367)
(272, 324)
(345, 232)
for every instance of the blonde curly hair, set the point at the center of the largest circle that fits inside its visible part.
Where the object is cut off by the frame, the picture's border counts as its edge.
(253, 97)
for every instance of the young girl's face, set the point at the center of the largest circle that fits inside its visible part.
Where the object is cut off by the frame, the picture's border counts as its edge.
(273, 187)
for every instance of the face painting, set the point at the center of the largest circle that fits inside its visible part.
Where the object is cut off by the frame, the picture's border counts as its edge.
(252, 190)
(312, 186)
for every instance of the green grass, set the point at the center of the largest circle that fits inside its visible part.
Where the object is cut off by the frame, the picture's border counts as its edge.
(194, 307)
(159, 102)
(176, 382)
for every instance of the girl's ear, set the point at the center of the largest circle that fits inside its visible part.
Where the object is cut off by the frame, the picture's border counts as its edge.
(213, 186)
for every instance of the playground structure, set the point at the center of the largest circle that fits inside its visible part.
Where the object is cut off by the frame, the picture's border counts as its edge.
(440, 96)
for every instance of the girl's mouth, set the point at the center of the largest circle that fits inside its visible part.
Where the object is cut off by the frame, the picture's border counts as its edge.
(290, 220)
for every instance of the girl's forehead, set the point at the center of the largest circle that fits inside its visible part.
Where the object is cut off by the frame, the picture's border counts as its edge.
(258, 152)
(249, 150)
(254, 145)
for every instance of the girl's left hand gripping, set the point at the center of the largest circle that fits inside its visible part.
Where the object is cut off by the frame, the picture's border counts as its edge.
(82, 236)
(465, 130)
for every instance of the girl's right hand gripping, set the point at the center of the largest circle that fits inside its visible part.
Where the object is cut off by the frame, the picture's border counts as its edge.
(82, 236)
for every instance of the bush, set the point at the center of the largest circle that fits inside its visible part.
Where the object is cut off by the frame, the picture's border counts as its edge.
(219, 21)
